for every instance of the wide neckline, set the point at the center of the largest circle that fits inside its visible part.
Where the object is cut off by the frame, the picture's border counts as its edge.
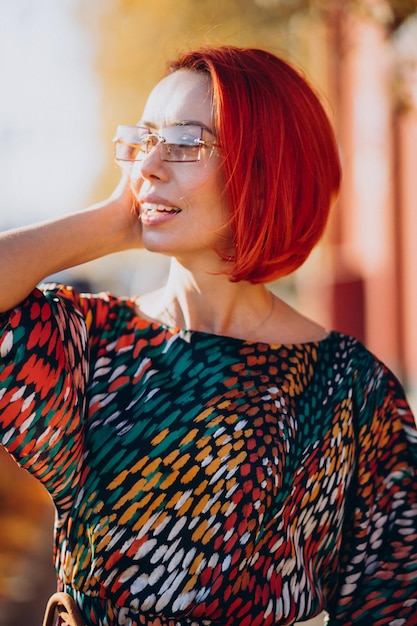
(188, 334)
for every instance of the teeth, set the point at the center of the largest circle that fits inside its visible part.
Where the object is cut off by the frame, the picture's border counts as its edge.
(153, 208)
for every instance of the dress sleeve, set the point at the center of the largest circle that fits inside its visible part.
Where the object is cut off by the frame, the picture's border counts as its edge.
(43, 376)
(378, 572)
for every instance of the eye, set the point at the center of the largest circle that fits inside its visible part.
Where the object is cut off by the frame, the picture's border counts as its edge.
(187, 139)
(182, 135)
(169, 149)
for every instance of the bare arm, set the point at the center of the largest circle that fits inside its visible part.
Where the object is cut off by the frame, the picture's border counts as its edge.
(28, 255)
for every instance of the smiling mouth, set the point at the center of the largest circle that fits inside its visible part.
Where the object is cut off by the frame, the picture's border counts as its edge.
(153, 209)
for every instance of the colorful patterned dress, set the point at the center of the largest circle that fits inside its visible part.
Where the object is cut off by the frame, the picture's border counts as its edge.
(205, 480)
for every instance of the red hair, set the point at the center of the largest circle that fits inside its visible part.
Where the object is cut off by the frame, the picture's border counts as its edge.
(280, 155)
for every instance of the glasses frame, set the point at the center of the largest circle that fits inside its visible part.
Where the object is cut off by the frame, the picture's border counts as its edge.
(152, 139)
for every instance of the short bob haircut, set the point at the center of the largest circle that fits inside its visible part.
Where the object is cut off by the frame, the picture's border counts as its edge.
(281, 159)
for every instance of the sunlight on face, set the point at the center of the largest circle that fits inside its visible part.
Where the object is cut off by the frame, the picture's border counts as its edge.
(182, 204)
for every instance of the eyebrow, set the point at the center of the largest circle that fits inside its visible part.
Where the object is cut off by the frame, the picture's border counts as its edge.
(178, 123)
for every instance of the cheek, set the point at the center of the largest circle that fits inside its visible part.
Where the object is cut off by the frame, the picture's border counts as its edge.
(133, 172)
(207, 181)
(214, 208)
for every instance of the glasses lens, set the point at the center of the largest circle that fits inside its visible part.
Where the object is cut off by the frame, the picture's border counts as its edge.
(181, 143)
(130, 143)
(125, 151)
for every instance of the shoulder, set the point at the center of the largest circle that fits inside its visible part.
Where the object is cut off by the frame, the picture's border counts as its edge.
(359, 362)
(376, 389)
(349, 363)
(53, 305)
(98, 305)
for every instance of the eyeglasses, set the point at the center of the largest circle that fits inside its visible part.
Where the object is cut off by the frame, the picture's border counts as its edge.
(180, 144)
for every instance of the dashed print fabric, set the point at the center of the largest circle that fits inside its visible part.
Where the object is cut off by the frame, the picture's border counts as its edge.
(203, 480)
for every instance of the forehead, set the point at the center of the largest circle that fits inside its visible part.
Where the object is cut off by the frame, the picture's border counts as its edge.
(180, 96)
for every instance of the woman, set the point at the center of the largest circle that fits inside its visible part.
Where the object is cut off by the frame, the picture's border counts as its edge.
(214, 456)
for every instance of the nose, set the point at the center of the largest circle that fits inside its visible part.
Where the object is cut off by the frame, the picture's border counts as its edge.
(151, 166)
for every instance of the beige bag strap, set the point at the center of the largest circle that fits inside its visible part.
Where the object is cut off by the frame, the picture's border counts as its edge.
(62, 605)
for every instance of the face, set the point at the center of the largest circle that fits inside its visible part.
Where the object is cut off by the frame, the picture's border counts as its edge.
(181, 204)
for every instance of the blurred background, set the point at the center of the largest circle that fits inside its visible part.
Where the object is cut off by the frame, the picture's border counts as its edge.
(71, 71)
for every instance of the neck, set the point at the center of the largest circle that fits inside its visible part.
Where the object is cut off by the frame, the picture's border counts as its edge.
(213, 304)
